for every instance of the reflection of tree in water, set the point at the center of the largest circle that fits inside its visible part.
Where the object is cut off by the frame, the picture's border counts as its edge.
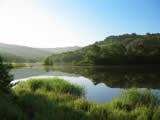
(118, 77)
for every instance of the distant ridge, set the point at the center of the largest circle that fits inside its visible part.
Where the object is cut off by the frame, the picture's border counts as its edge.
(59, 50)
(24, 51)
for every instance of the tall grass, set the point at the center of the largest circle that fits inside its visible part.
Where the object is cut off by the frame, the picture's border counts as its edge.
(44, 99)
(132, 98)
(52, 85)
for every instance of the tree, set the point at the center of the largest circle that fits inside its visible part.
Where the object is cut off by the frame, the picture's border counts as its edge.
(5, 77)
(47, 61)
(148, 33)
(92, 56)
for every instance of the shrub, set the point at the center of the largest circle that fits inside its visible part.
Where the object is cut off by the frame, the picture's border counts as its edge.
(5, 77)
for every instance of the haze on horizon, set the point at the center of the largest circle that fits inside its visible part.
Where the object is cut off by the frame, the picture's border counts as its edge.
(54, 23)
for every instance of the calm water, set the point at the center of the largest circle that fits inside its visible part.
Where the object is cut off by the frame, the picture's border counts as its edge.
(101, 83)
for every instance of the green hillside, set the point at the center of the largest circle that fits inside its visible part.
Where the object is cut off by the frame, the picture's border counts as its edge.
(122, 49)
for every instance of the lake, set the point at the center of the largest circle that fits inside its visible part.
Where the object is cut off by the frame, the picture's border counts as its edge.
(101, 83)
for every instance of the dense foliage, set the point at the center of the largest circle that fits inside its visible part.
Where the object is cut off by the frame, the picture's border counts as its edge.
(123, 49)
(47, 61)
(5, 77)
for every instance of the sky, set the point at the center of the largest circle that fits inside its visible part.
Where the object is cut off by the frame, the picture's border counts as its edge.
(62, 23)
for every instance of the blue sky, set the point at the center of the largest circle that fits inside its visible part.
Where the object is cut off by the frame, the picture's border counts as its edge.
(60, 23)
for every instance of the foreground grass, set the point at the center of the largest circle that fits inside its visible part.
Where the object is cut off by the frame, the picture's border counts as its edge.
(48, 99)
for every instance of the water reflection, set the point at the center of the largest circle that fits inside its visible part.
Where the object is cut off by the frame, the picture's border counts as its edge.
(101, 83)
(117, 77)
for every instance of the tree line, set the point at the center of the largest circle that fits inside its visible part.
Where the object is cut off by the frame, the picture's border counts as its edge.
(114, 50)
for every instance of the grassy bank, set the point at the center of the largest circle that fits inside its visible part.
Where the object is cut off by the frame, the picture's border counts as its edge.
(18, 65)
(48, 99)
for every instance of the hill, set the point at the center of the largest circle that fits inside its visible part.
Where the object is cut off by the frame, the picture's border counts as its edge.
(59, 50)
(22, 51)
(115, 50)
(7, 57)
(17, 53)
